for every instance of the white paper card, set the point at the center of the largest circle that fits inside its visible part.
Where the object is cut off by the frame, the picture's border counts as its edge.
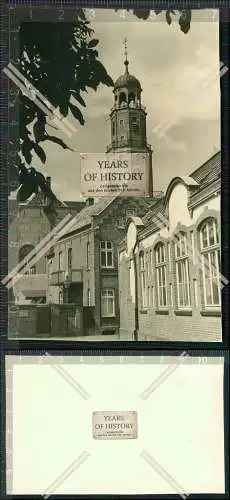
(180, 444)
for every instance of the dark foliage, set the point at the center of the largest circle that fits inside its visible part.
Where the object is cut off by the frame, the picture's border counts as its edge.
(184, 17)
(61, 62)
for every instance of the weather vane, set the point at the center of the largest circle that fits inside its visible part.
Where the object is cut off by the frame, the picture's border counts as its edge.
(126, 51)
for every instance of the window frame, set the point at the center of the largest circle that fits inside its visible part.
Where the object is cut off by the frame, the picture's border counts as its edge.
(105, 292)
(207, 251)
(131, 212)
(106, 251)
(60, 261)
(31, 271)
(87, 255)
(61, 295)
(159, 266)
(135, 125)
(89, 297)
(143, 280)
(70, 259)
(183, 259)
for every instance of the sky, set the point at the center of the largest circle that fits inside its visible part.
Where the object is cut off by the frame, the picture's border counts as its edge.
(171, 67)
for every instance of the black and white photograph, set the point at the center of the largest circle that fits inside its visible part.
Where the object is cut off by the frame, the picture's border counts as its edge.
(104, 90)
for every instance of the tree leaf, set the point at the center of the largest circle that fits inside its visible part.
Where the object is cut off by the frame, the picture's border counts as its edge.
(40, 152)
(63, 108)
(58, 141)
(24, 192)
(28, 183)
(26, 148)
(93, 43)
(168, 17)
(77, 96)
(185, 20)
(101, 74)
(76, 113)
(41, 182)
(142, 14)
(39, 130)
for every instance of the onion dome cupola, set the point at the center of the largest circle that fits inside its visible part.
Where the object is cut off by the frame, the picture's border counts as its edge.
(128, 118)
(127, 88)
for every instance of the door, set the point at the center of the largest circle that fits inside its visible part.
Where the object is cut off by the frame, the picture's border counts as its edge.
(43, 319)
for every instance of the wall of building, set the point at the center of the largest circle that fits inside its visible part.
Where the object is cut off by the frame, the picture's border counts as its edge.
(79, 244)
(108, 278)
(109, 230)
(28, 229)
(105, 228)
(169, 324)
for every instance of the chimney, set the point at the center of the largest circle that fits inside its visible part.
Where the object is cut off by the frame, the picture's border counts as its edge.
(48, 181)
(89, 202)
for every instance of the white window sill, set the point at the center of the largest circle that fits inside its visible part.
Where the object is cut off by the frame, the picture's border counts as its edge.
(110, 316)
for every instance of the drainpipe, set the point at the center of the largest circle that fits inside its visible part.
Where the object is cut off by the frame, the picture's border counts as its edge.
(136, 328)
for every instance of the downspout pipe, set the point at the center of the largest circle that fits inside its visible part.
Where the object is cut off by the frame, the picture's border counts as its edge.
(136, 322)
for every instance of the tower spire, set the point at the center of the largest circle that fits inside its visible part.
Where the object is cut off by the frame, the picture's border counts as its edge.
(126, 62)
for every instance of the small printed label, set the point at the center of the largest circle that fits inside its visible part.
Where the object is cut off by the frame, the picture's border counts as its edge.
(115, 174)
(114, 424)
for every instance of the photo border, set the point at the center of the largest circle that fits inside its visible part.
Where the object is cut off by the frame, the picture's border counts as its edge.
(119, 348)
(121, 356)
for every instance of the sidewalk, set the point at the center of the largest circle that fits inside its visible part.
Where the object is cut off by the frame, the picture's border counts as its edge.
(92, 338)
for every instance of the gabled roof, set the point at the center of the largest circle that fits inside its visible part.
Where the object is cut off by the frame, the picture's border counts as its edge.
(37, 200)
(84, 217)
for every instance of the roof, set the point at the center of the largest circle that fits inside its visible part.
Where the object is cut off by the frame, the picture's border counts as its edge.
(36, 200)
(156, 209)
(84, 217)
(207, 173)
(127, 80)
(77, 205)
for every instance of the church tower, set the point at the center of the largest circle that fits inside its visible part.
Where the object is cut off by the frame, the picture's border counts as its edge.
(128, 119)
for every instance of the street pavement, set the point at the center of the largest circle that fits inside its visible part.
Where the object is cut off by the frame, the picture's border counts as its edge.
(93, 338)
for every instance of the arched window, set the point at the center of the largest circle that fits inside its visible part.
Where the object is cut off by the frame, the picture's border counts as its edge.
(143, 279)
(122, 98)
(131, 97)
(182, 271)
(210, 256)
(161, 275)
(24, 251)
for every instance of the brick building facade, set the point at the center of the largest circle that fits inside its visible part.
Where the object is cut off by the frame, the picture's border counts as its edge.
(172, 275)
(29, 223)
(84, 266)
